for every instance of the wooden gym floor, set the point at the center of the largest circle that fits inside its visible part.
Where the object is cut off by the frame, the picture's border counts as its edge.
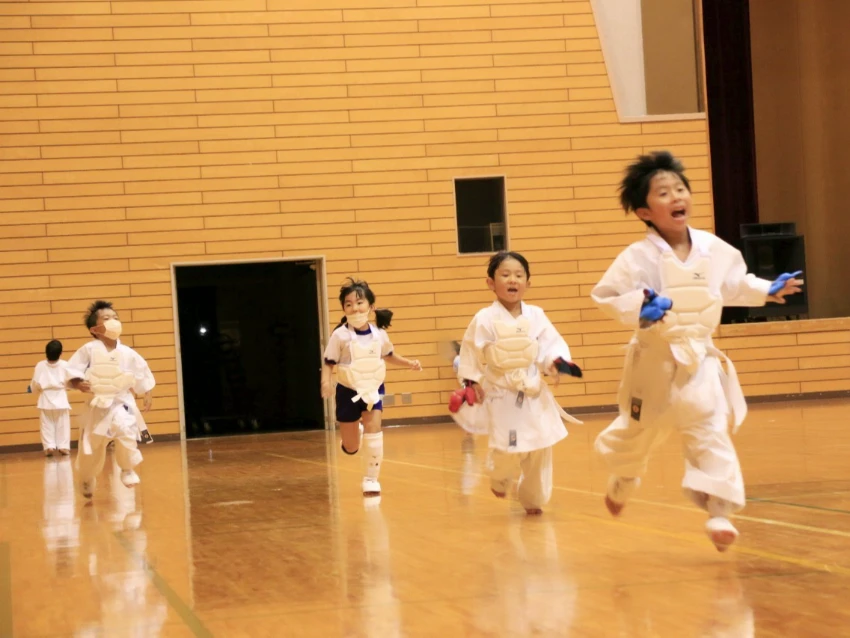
(269, 536)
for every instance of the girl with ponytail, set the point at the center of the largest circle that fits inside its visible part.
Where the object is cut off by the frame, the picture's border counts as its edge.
(358, 350)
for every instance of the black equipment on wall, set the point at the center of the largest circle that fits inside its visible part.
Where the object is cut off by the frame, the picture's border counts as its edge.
(770, 250)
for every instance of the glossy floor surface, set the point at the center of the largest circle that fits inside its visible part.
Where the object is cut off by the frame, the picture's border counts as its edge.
(270, 536)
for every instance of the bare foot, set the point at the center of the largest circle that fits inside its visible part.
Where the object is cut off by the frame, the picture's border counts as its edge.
(723, 539)
(614, 508)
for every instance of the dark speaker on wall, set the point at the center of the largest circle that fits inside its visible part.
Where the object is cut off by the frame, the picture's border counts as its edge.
(770, 250)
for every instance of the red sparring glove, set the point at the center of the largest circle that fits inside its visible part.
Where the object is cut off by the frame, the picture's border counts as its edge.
(456, 400)
(567, 367)
(460, 396)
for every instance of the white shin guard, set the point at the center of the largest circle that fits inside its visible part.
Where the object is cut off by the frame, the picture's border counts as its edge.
(374, 453)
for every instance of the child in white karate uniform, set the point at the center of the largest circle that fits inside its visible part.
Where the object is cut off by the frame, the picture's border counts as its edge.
(358, 350)
(48, 383)
(503, 352)
(671, 288)
(112, 372)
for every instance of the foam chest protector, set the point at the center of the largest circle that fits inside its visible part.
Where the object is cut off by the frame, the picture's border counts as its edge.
(106, 378)
(366, 372)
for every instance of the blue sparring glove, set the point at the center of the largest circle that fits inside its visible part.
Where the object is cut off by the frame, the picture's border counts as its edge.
(654, 307)
(779, 284)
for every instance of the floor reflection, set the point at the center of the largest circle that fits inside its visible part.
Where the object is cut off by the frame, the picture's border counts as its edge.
(270, 536)
(730, 614)
(114, 543)
(370, 575)
(535, 592)
(60, 525)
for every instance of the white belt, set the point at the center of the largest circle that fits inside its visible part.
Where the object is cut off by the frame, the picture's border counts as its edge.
(534, 390)
(370, 399)
(732, 388)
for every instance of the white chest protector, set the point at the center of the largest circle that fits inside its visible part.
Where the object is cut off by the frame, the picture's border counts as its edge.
(366, 372)
(106, 378)
(512, 353)
(696, 311)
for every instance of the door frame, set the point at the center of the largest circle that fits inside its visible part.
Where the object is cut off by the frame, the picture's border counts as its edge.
(324, 320)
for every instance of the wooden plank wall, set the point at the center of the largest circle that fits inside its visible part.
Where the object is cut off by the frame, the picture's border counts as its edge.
(138, 133)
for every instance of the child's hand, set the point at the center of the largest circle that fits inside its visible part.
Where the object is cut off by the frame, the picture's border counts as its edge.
(479, 392)
(415, 365)
(567, 367)
(786, 284)
(148, 402)
(326, 390)
(552, 371)
(81, 385)
(460, 396)
(654, 307)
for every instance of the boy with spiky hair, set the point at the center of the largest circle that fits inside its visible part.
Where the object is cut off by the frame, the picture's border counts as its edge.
(671, 288)
(111, 372)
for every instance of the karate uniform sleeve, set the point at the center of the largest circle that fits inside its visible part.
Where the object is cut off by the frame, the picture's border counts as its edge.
(144, 381)
(333, 351)
(741, 288)
(618, 294)
(386, 344)
(78, 364)
(36, 383)
(478, 335)
(551, 344)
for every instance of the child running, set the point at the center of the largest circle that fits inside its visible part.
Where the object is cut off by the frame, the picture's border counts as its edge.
(109, 370)
(671, 288)
(503, 352)
(358, 350)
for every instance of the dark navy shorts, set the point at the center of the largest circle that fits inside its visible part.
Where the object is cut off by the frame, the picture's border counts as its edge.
(348, 411)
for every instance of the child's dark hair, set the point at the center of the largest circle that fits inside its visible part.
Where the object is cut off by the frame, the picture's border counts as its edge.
(634, 188)
(383, 316)
(53, 350)
(497, 259)
(94, 309)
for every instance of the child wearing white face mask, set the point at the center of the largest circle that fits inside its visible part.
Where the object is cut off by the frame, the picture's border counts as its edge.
(111, 372)
(358, 350)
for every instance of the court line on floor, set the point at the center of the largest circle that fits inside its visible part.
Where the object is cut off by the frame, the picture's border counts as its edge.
(195, 625)
(801, 562)
(785, 497)
(800, 505)
(683, 508)
(6, 625)
(606, 520)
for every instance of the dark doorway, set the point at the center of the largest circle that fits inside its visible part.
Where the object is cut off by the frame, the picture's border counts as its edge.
(729, 89)
(250, 347)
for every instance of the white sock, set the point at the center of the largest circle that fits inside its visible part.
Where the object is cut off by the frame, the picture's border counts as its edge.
(374, 444)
